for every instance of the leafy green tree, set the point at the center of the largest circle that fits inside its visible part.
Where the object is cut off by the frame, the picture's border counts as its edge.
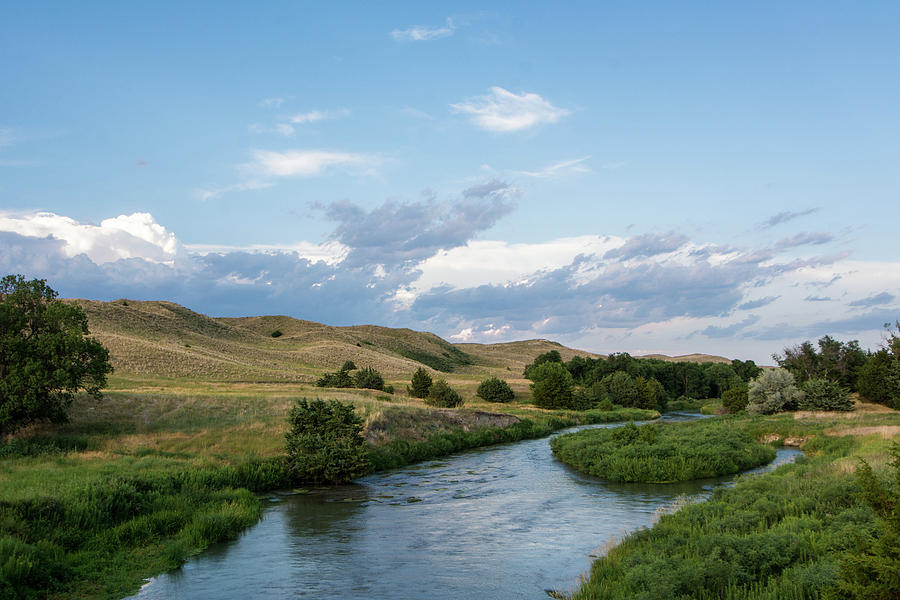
(746, 369)
(421, 383)
(621, 389)
(879, 379)
(822, 394)
(720, 377)
(440, 394)
(368, 378)
(552, 356)
(651, 393)
(773, 391)
(348, 365)
(735, 399)
(553, 386)
(45, 354)
(325, 442)
(494, 389)
(834, 360)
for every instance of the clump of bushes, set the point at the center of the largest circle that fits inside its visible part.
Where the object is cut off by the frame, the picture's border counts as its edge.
(773, 391)
(365, 378)
(661, 453)
(325, 443)
(368, 378)
(440, 394)
(277, 333)
(553, 386)
(822, 394)
(735, 399)
(495, 389)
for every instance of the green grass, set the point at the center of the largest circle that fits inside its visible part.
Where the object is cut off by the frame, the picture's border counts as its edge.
(789, 534)
(662, 453)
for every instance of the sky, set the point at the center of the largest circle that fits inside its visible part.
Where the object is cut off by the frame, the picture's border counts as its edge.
(617, 176)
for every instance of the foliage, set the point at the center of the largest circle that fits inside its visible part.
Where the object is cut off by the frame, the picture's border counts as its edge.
(277, 333)
(450, 358)
(552, 356)
(494, 389)
(45, 356)
(348, 365)
(871, 569)
(388, 389)
(368, 378)
(325, 442)
(822, 394)
(440, 394)
(620, 388)
(553, 386)
(878, 380)
(337, 379)
(721, 377)
(834, 360)
(651, 394)
(735, 399)
(745, 369)
(661, 453)
(421, 383)
(773, 391)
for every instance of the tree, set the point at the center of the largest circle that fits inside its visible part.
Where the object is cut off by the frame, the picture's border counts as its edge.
(621, 389)
(822, 394)
(442, 395)
(368, 378)
(651, 393)
(735, 399)
(494, 389)
(553, 386)
(552, 356)
(421, 383)
(879, 379)
(325, 442)
(721, 377)
(773, 391)
(45, 355)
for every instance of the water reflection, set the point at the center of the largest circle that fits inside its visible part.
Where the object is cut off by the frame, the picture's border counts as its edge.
(502, 522)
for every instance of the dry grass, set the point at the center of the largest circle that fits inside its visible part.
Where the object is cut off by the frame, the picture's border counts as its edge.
(885, 431)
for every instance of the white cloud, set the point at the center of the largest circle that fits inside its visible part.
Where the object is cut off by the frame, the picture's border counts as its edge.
(6, 137)
(306, 163)
(318, 115)
(209, 194)
(503, 111)
(136, 235)
(559, 169)
(271, 102)
(330, 253)
(285, 129)
(424, 33)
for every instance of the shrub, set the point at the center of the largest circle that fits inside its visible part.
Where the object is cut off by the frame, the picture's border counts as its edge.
(421, 383)
(495, 389)
(552, 356)
(324, 444)
(620, 388)
(338, 379)
(368, 378)
(822, 394)
(442, 395)
(388, 389)
(348, 365)
(773, 391)
(879, 379)
(735, 399)
(553, 386)
(277, 333)
(606, 405)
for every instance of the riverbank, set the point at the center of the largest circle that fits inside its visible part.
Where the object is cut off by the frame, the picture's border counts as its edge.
(158, 472)
(793, 533)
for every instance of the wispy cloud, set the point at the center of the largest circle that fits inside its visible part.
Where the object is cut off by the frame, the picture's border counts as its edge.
(804, 238)
(559, 169)
(728, 331)
(751, 304)
(318, 115)
(876, 300)
(211, 193)
(307, 163)
(818, 299)
(784, 217)
(272, 102)
(424, 33)
(6, 137)
(503, 111)
(285, 129)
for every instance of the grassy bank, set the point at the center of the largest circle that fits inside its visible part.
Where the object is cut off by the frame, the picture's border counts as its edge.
(164, 467)
(793, 533)
(662, 453)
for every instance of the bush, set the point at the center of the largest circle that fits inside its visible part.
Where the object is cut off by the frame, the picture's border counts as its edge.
(368, 378)
(338, 379)
(495, 389)
(553, 386)
(552, 356)
(822, 394)
(621, 388)
(348, 365)
(443, 396)
(773, 391)
(879, 379)
(421, 383)
(388, 389)
(325, 443)
(735, 399)
(277, 333)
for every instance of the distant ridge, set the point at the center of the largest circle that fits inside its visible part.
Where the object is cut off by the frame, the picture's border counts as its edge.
(166, 339)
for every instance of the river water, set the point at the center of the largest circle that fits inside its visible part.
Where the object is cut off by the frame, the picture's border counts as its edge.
(506, 521)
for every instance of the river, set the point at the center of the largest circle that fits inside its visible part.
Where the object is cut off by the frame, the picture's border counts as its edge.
(503, 522)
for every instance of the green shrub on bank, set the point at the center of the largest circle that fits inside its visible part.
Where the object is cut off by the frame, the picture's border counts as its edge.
(368, 378)
(440, 394)
(494, 389)
(661, 453)
(420, 384)
(822, 394)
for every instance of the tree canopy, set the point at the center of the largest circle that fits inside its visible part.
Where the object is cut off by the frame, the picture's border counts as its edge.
(45, 354)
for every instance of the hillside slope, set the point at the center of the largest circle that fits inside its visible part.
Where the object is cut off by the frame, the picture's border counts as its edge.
(165, 339)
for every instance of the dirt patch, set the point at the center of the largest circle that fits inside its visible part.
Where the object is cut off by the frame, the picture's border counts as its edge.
(885, 431)
(789, 441)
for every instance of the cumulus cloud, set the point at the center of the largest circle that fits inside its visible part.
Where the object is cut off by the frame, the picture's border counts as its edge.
(424, 33)
(396, 233)
(785, 216)
(559, 169)
(307, 163)
(136, 235)
(874, 300)
(504, 111)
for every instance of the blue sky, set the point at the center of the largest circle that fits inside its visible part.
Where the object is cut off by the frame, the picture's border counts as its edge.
(643, 177)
